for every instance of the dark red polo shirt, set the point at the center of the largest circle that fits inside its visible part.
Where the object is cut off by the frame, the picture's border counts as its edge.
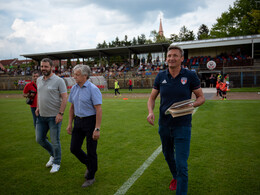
(31, 87)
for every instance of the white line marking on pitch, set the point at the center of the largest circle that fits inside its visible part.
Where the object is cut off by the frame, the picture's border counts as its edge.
(125, 187)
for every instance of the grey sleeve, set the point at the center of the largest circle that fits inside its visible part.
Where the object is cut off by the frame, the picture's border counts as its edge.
(62, 86)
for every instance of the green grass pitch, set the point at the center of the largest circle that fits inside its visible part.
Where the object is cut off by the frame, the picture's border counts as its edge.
(224, 158)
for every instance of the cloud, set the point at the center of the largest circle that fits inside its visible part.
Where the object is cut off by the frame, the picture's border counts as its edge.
(58, 25)
(193, 20)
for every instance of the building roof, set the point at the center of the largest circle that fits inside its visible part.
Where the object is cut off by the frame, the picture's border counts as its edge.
(219, 42)
(148, 48)
(86, 53)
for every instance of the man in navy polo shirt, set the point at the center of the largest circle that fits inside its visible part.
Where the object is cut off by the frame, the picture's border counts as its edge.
(175, 84)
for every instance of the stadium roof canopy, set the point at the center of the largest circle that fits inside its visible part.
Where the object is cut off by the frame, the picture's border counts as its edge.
(149, 48)
(219, 42)
(86, 53)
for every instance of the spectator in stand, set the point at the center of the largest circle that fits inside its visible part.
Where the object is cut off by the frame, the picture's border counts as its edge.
(30, 91)
(130, 85)
(211, 81)
(22, 73)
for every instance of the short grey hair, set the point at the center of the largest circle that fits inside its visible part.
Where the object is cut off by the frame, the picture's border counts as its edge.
(176, 47)
(85, 69)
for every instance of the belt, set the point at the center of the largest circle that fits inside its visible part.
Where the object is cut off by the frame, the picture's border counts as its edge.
(85, 117)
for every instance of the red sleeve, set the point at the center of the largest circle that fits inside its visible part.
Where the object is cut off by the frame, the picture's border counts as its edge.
(26, 88)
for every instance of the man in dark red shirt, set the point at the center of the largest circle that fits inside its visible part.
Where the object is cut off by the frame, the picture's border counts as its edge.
(30, 91)
(130, 85)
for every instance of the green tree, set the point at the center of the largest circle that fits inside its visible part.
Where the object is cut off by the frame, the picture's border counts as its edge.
(149, 41)
(157, 38)
(154, 34)
(104, 44)
(99, 46)
(117, 42)
(185, 34)
(174, 38)
(141, 39)
(125, 42)
(31, 64)
(134, 42)
(203, 32)
(241, 19)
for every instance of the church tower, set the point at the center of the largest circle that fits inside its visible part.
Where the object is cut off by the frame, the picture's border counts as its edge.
(161, 29)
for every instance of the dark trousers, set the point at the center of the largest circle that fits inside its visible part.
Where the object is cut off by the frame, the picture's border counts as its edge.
(116, 91)
(34, 116)
(84, 127)
(176, 150)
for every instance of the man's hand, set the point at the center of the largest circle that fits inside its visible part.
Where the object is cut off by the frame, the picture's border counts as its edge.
(37, 112)
(58, 118)
(150, 118)
(69, 129)
(96, 135)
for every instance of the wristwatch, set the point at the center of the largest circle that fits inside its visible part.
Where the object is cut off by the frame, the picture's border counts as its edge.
(97, 129)
(61, 113)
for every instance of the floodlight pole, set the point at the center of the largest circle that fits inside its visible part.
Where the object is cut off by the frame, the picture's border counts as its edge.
(252, 48)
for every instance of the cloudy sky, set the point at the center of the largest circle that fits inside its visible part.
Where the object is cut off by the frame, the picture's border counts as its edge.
(30, 26)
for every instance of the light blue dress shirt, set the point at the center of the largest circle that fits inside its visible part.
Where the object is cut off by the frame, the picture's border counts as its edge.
(85, 98)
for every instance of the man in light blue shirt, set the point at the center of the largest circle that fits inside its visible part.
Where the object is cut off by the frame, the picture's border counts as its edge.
(86, 111)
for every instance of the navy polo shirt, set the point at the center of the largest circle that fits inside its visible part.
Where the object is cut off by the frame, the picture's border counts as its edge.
(173, 90)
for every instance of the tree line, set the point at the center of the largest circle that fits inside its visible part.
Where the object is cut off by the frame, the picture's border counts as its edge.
(241, 19)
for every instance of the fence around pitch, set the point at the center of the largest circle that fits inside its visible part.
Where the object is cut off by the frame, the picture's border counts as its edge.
(239, 77)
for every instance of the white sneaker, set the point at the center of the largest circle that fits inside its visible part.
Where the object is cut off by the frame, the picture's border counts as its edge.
(50, 162)
(55, 168)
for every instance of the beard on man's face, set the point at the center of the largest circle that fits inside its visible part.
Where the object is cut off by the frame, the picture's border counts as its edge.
(46, 72)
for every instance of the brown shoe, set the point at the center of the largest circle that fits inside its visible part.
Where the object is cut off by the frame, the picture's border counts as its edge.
(88, 182)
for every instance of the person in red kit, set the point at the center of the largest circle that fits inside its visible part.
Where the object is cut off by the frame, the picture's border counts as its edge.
(30, 92)
(223, 89)
(130, 85)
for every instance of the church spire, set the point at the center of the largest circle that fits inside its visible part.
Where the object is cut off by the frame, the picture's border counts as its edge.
(160, 28)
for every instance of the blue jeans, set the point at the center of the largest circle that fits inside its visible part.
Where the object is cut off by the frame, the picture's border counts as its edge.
(43, 124)
(176, 150)
(34, 116)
